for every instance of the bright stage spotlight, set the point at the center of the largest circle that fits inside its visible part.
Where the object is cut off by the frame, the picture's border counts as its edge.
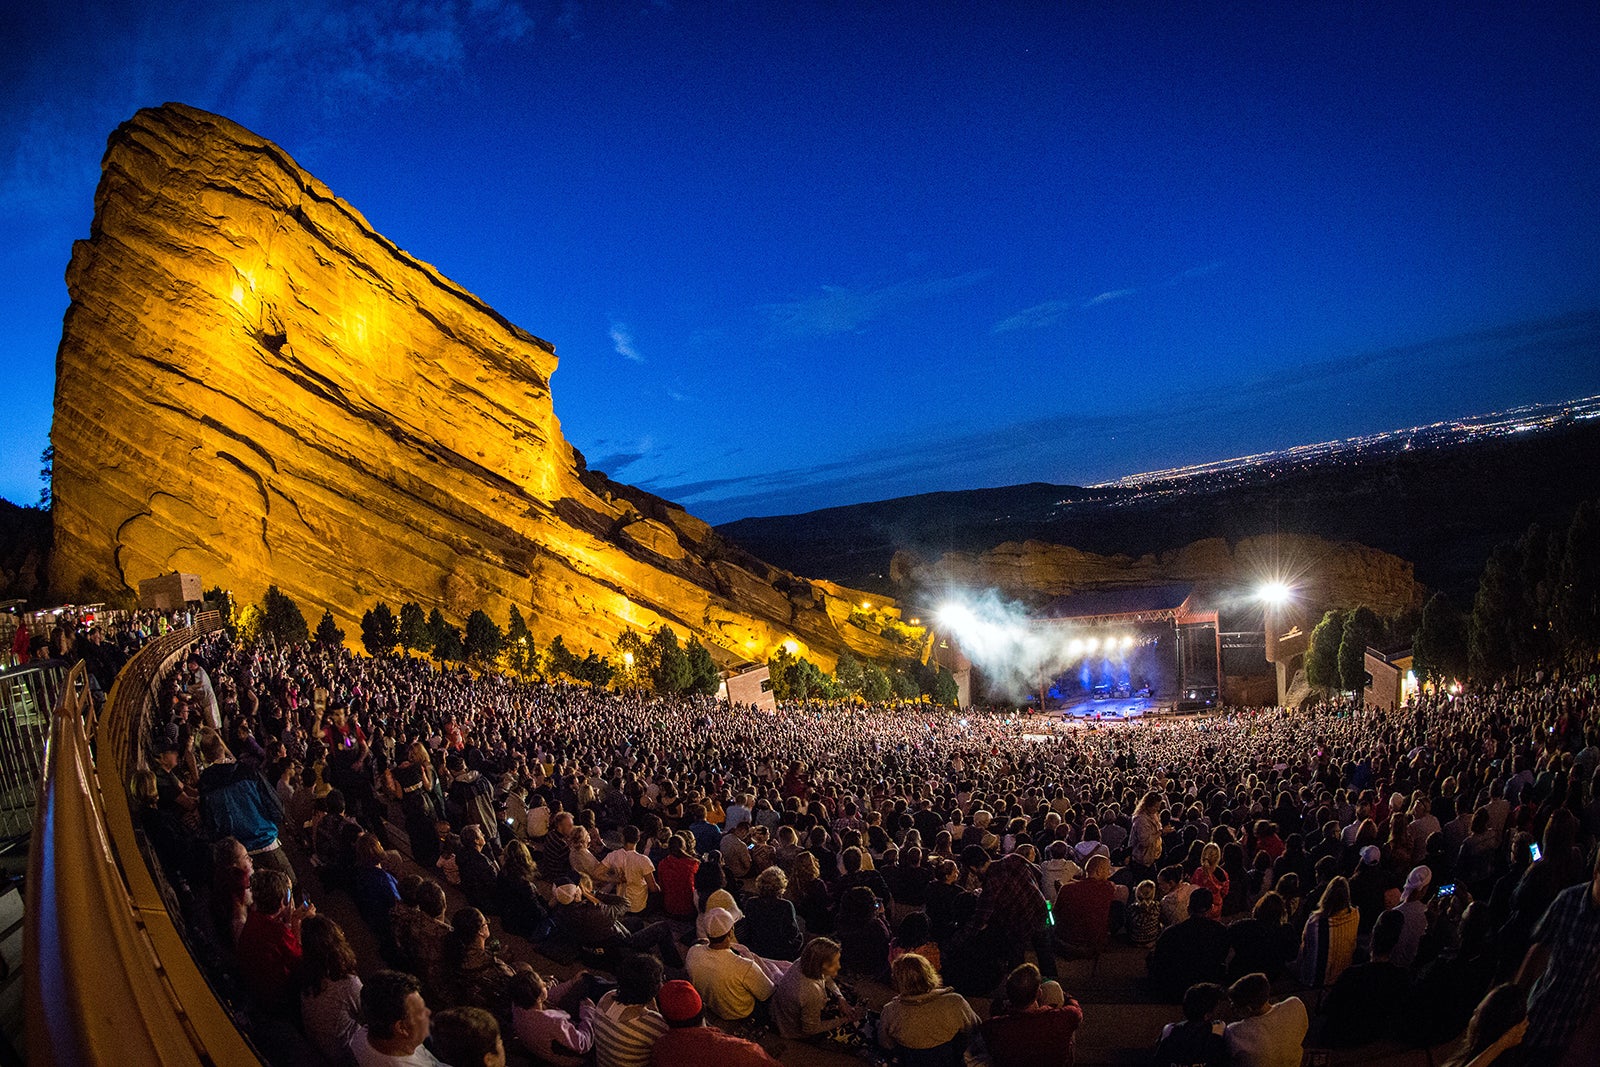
(1127, 640)
(1075, 647)
(1274, 594)
(954, 614)
(1094, 644)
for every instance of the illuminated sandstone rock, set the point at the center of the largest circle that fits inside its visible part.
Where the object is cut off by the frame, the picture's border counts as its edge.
(256, 387)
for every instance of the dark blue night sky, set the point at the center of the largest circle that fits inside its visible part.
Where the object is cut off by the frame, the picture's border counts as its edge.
(801, 254)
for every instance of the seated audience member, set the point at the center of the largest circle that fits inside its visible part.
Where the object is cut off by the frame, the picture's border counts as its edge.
(1263, 941)
(1413, 908)
(925, 1016)
(375, 891)
(1173, 889)
(862, 934)
(1497, 1031)
(472, 975)
(397, 1023)
(522, 910)
(231, 870)
(1083, 909)
(730, 981)
(631, 872)
(544, 1028)
(1026, 1032)
(915, 935)
(1265, 1034)
(1057, 870)
(676, 872)
(717, 898)
(468, 1037)
(807, 1003)
(1193, 951)
(269, 945)
(1144, 915)
(1197, 1041)
(1366, 1002)
(420, 934)
(689, 1042)
(625, 1023)
(1328, 944)
(771, 925)
(594, 923)
(330, 992)
(480, 874)
(813, 901)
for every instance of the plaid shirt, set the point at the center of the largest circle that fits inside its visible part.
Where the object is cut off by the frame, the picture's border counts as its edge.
(1010, 903)
(1564, 994)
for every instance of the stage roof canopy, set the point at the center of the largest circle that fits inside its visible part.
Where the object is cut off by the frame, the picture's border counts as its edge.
(1150, 603)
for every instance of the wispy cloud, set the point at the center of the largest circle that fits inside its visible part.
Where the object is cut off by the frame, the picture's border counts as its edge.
(845, 309)
(1108, 296)
(622, 341)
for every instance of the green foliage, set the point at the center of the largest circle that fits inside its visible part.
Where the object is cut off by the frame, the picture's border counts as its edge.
(875, 684)
(904, 680)
(484, 639)
(413, 633)
(847, 672)
(379, 633)
(47, 463)
(448, 646)
(328, 633)
(436, 631)
(281, 619)
(1577, 599)
(942, 688)
(594, 668)
(1439, 649)
(1322, 654)
(669, 671)
(560, 659)
(519, 649)
(704, 677)
(1362, 627)
(248, 624)
(220, 600)
(1493, 638)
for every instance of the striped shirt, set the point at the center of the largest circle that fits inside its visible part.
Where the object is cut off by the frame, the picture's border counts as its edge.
(624, 1034)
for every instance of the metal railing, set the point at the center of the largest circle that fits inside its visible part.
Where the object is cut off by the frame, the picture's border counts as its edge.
(27, 695)
(109, 979)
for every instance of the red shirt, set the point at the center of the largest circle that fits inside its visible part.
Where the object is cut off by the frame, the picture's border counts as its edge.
(1040, 1037)
(675, 875)
(1083, 912)
(269, 956)
(697, 1046)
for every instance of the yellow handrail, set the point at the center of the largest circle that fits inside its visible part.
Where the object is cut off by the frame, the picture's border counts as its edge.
(108, 978)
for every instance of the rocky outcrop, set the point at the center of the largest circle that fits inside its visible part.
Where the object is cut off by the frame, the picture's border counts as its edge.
(1325, 574)
(256, 387)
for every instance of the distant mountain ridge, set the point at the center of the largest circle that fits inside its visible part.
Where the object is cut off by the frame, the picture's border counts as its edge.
(1442, 503)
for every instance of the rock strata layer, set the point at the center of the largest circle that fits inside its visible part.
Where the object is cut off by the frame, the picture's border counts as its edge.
(256, 387)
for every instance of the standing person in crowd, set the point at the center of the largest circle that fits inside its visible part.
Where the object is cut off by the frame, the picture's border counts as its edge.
(1562, 973)
(1413, 908)
(269, 945)
(1266, 1034)
(235, 801)
(676, 872)
(1328, 943)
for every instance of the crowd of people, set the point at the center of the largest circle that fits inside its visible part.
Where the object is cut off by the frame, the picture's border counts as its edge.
(1404, 876)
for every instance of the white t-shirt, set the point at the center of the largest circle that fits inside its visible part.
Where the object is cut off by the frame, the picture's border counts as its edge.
(1271, 1039)
(367, 1056)
(631, 869)
(330, 1017)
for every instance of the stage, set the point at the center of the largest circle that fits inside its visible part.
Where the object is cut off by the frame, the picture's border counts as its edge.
(1120, 709)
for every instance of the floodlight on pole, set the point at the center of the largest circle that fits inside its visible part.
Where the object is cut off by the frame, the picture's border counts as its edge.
(1274, 594)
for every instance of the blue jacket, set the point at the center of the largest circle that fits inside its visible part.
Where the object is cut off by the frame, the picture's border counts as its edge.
(236, 801)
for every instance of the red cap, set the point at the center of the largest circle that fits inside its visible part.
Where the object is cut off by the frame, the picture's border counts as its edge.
(679, 1001)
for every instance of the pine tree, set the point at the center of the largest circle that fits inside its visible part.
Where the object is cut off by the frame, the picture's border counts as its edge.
(1439, 649)
(875, 684)
(437, 631)
(849, 674)
(1322, 653)
(484, 639)
(328, 633)
(1362, 627)
(281, 618)
(448, 646)
(670, 672)
(519, 645)
(413, 634)
(704, 677)
(561, 659)
(378, 632)
(1490, 642)
(1577, 599)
